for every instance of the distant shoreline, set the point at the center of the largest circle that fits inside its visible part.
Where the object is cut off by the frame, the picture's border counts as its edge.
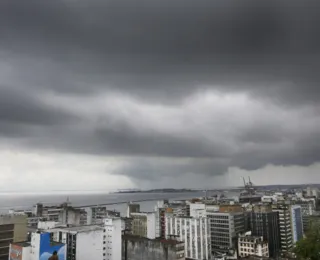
(158, 191)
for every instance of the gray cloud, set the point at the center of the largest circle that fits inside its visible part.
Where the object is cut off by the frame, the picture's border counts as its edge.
(161, 55)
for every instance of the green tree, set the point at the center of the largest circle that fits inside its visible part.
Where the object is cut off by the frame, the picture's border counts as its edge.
(308, 248)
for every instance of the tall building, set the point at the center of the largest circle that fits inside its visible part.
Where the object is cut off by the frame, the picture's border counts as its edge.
(296, 223)
(160, 222)
(308, 208)
(112, 239)
(195, 234)
(224, 228)
(250, 245)
(144, 224)
(13, 228)
(137, 248)
(285, 228)
(264, 222)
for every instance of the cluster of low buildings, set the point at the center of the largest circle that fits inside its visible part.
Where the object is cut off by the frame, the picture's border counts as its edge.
(208, 228)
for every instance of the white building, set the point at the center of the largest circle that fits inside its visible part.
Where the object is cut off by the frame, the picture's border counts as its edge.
(197, 210)
(252, 245)
(112, 239)
(195, 234)
(83, 242)
(144, 224)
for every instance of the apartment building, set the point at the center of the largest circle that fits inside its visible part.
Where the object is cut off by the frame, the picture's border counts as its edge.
(13, 228)
(144, 224)
(224, 229)
(137, 248)
(264, 222)
(249, 245)
(195, 234)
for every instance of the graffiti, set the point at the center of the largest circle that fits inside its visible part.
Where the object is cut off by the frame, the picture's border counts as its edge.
(49, 250)
(16, 252)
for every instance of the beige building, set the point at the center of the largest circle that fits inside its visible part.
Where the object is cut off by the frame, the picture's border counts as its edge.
(13, 228)
(144, 224)
(252, 246)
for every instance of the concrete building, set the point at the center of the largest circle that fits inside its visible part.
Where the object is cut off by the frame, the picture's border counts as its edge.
(224, 229)
(83, 242)
(132, 208)
(69, 216)
(308, 209)
(137, 248)
(264, 222)
(20, 251)
(96, 215)
(197, 210)
(112, 238)
(195, 234)
(41, 247)
(252, 245)
(13, 228)
(144, 224)
(99, 242)
(286, 241)
(178, 208)
(160, 222)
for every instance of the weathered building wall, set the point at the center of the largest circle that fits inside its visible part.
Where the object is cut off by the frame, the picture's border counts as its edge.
(142, 248)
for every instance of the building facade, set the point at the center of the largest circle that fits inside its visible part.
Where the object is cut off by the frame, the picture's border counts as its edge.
(195, 234)
(264, 222)
(144, 224)
(13, 228)
(224, 228)
(296, 223)
(250, 245)
(308, 209)
(132, 208)
(137, 248)
(285, 228)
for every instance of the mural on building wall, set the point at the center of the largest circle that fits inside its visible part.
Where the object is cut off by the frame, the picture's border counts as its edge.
(51, 251)
(15, 252)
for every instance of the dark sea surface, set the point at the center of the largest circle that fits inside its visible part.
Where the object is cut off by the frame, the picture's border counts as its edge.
(25, 201)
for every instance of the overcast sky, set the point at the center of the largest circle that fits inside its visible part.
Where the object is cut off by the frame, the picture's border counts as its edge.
(106, 94)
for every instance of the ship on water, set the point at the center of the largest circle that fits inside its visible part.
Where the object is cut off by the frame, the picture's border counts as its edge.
(249, 194)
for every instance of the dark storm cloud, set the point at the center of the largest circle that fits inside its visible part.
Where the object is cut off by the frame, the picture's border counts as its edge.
(19, 106)
(141, 46)
(155, 52)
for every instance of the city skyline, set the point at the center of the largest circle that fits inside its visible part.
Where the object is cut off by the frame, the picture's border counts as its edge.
(103, 95)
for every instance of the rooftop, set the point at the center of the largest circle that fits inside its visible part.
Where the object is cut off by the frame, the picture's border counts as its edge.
(78, 229)
(139, 238)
